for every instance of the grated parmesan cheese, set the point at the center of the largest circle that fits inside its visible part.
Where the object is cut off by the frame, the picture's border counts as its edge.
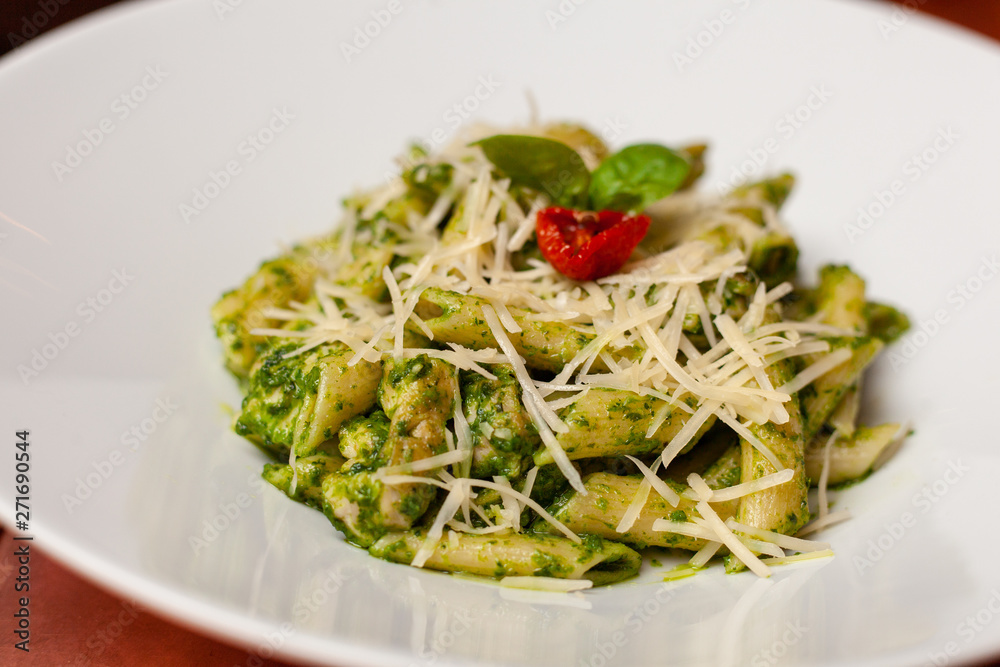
(547, 584)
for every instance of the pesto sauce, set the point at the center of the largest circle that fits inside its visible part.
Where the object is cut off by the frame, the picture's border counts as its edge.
(549, 565)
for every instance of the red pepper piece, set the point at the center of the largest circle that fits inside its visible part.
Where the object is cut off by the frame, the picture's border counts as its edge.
(587, 245)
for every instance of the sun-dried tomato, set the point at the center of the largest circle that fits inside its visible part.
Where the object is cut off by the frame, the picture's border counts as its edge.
(587, 245)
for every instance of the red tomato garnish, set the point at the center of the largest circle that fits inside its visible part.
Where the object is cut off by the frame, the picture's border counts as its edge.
(587, 245)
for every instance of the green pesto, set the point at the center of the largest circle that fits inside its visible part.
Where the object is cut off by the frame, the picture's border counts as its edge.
(374, 508)
(774, 190)
(362, 439)
(549, 484)
(840, 298)
(619, 562)
(736, 295)
(549, 565)
(364, 273)
(416, 397)
(412, 505)
(558, 508)
(613, 422)
(592, 544)
(725, 472)
(418, 385)
(774, 258)
(820, 398)
(546, 346)
(276, 394)
(693, 326)
(494, 407)
(299, 400)
(428, 180)
(885, 322)
(601, 561)
(363, 491)
(275, 284)
(582, 514)
(309, 475)
(852, 456)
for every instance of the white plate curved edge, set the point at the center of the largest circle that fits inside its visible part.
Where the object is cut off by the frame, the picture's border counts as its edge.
(902, 585)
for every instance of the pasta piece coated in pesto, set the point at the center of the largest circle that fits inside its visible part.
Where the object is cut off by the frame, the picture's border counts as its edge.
(820, 398)
(457, 318)
(840, 298)
(783, 508)
(773, 191)
(695, 155)
(706, 455)
(609, 496)
(364, 274)
(308, 475)
(417, 395)
(885, 322)
(851, 457)
(737, 292)
(503, 435)
(275, 284)
(613, 422)
(774, 257)
(361, 440)
(517, 554)
(725, 471)
(301, 401)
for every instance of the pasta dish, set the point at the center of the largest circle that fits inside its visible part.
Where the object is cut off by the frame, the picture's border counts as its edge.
(529, 356)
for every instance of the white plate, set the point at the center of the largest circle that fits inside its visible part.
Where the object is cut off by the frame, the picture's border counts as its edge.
(917, 562)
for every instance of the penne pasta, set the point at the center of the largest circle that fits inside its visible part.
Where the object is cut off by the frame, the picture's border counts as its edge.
(527, 355)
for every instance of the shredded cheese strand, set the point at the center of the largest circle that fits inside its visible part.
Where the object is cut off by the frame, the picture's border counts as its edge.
(779, 539)
(753, 486)
(547, 584)
(429, 463)
(726, 536)
(655, 482)
(816, 370)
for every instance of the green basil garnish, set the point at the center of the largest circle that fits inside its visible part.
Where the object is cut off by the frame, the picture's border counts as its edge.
(627, 181)
(636, 176)
(542, 164)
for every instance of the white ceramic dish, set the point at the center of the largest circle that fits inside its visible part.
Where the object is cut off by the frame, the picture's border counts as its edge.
(126, 413)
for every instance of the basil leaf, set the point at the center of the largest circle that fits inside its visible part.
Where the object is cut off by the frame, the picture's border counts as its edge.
(636, 176)
(543, 164)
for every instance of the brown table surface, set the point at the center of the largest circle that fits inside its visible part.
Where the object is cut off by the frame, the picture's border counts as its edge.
(76, 623)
